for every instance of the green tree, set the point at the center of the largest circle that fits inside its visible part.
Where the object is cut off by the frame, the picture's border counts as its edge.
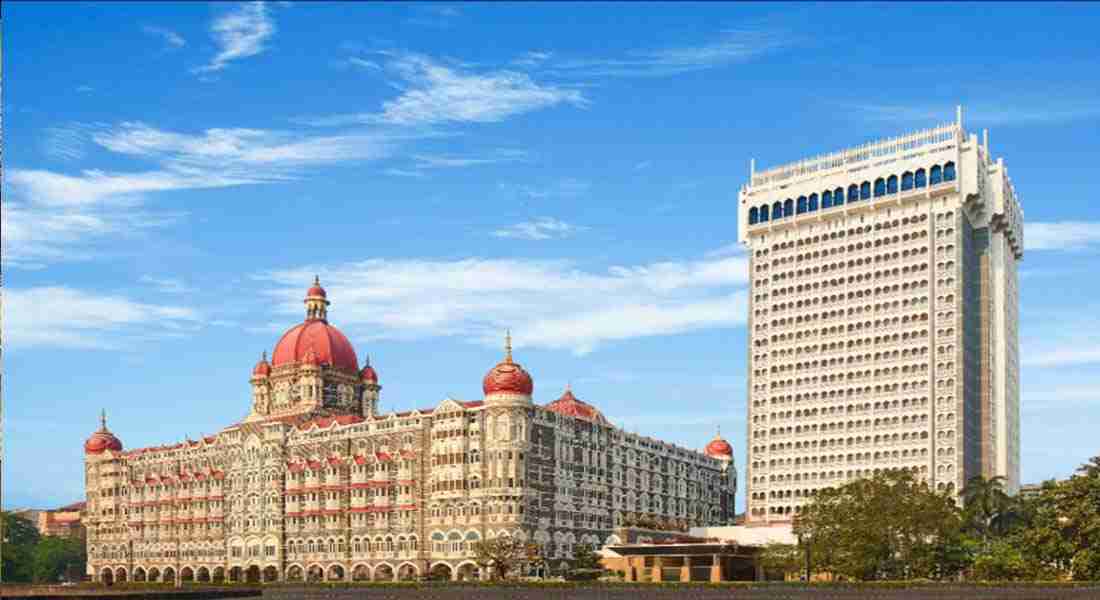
(19, 539)
(56, 558)
(503, 554)
(889, 526)
(584, 557)
(782, 558)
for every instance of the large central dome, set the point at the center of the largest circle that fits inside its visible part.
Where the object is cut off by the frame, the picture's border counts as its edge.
(315, 338)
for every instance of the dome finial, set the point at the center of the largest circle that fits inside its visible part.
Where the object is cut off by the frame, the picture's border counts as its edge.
(366, 362)
(263, 356)
(103, 419)
(508, 345)
(316, 280)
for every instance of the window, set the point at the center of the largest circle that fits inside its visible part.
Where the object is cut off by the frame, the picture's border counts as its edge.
(880, 187)
(827, 199)
(919, 178)
(935, 176)
(892, 184)
(777, 210)
(801, 204)
(865, 190)
(764, 213)
(949, 172)
(853, 193)
(906, 181)
(813, 202)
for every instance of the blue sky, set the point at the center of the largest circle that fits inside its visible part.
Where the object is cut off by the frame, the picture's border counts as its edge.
(175, 174)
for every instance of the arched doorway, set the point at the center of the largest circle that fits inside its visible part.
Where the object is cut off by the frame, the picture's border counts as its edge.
(107, 577)
(294, 573)
(252, 574)
(169, 575)
(270, 574)
(235, 574)
(203, 575)
(139, 574)
(335, 573)
(314, 573)
(219, 575)
(154, 574)
(383, 572)
(120, 575)
(440, 571)
(468, 571)
(360, 573)
(407, 572)
(187, 575)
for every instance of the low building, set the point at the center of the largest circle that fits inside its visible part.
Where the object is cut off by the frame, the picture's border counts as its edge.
(64, 521)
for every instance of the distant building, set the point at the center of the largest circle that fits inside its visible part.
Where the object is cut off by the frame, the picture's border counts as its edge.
(315, 483)
(64, 521)
(883, 318)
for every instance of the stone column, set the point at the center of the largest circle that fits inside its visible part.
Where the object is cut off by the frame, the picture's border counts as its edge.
(685, 569)
(715, 569)
(658, 562)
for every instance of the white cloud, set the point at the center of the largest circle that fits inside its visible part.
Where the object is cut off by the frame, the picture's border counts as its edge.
(545, 228)
(428, 161)
(65, 142)
(1061, 235)
(70, 318)
(171, 38)
(1083, 352)
(434, 93)
(168, 285)
(731, 46)
(548, 304)
(532, 59)
(239, 34)
(564, 188)
(403, 173)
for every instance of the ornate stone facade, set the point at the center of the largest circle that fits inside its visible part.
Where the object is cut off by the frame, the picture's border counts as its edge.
(883, 318)
(315, 484)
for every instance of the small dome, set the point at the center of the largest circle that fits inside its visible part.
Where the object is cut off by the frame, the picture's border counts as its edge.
(572, 406)
(316, 291)
(368, 375)
(327, 342)
(718, 448)
(102, 440)
(507, 377)
(263, 368)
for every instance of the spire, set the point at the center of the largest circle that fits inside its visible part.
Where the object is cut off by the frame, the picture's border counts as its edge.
(507, 345)
(103, 419)
(317, 280)
(263, 356)
(366, 363)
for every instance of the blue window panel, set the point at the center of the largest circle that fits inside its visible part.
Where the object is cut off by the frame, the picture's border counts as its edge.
(880, 187)
(812, 202)
(892, 184)
(865, 190)
(826, 199)
(801, 204)
(754, 216)
(906, 181)
(777, 211)
(919, 178)
(853, 193)
(838, 196)
(935, 176)
(764, 213)
(949, 172)
(788, 207)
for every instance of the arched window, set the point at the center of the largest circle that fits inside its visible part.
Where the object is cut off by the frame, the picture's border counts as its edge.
(935, 175)
(826, 199)
(892, 184)
(754, 216)
(906, 181)
(788, 207)
(919, 178)
(880, 187)
(853, 193)
(764, 213)
(812, 202)
(801, 204)
(949, 172)
(838, 196)
(865, 190)
(777, 210)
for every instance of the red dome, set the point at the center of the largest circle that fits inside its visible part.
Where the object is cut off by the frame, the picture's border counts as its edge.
(327, 343)
(368, 375)
(507, 377)
(316, 291)
(571, 406)
(102, 440)
(263, 368)
(719, 448)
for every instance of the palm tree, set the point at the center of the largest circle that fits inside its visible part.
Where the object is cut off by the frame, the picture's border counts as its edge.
(988, 508)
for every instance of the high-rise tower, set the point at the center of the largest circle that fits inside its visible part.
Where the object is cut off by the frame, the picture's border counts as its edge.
(883, 318)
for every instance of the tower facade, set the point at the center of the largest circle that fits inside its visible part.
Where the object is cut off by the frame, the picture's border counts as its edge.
(882, 319)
